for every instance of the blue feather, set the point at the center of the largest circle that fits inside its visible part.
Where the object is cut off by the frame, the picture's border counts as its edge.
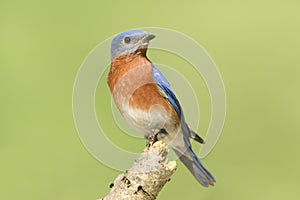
(164, 85)
(191, 161)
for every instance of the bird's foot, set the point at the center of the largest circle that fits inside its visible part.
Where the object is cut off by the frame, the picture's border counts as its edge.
(156, 136)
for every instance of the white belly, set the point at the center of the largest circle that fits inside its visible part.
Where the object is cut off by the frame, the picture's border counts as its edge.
(148, 122)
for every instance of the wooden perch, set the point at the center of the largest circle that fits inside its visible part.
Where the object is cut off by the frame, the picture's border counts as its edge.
(148, 175)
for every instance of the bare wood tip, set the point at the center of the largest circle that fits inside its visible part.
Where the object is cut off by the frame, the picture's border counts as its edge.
(148, 175)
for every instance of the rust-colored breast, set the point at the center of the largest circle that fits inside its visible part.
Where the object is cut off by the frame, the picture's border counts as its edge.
(125, 66)
(149, 98)
(131, 83)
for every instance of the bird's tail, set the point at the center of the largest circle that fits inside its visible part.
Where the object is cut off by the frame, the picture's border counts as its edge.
(191, 161)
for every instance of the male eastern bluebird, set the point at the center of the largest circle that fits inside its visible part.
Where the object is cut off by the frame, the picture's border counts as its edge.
(147, 102)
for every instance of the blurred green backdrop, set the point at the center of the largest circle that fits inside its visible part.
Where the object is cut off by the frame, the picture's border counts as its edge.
(255, 44)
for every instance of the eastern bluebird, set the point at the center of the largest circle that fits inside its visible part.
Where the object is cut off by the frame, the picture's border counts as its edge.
(147, 102)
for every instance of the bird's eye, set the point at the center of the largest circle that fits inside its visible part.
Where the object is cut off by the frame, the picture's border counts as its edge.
(127, 40)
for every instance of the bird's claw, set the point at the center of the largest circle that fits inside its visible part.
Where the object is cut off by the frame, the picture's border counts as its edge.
(156, 136)
(151, 140)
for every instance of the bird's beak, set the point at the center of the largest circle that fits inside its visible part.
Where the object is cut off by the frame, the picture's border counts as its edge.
(148, 37)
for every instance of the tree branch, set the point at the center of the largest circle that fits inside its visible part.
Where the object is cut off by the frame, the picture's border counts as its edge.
(148, 175)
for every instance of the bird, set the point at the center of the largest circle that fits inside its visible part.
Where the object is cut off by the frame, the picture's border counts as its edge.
(147, 102)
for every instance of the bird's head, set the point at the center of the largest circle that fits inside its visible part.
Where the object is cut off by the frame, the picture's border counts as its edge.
(129, 42)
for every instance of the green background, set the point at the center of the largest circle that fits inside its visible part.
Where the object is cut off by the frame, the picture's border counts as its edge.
(255, 44)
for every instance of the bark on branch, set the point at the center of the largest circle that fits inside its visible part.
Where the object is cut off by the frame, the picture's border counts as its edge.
(148, 175)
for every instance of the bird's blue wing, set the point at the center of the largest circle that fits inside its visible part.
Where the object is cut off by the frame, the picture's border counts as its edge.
(190, 160)
(163, 84)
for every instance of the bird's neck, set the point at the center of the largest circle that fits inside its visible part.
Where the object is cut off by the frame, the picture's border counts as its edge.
(128, 58)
